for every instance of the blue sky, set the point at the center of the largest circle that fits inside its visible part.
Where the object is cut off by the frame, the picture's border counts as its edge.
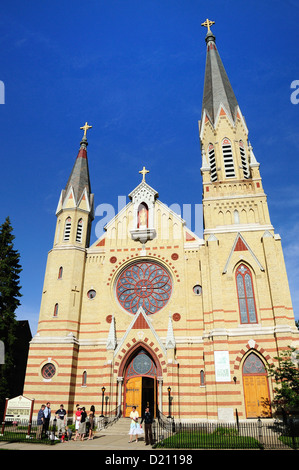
(134, 70)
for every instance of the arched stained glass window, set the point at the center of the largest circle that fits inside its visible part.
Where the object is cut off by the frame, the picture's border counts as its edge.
(55, 313)
(246, 295)
(142, 364)
(84, 379)
(60, 272)
(253, 365)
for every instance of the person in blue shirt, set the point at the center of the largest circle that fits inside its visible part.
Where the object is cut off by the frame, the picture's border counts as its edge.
(40, 422)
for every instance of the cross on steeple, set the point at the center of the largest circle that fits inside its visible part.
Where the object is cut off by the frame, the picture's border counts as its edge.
(207, 24)
(143, 172)
(85, 128)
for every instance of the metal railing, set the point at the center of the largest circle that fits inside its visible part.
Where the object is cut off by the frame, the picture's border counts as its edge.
(29, 431)
(169, 434)
(245, 435)
(110, 418)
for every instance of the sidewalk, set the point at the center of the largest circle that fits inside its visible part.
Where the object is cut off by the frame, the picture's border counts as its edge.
(99, 442)
(115, 438)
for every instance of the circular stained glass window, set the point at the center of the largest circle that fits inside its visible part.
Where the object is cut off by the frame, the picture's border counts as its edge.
(48, 371)
(144, 284)
(142, 364)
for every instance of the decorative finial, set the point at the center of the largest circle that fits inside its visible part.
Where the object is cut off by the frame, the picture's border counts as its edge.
(85, 128)
(143, 172)
(207, 24)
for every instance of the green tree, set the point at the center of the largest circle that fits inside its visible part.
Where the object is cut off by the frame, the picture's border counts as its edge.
(286, 377)
(10, 269)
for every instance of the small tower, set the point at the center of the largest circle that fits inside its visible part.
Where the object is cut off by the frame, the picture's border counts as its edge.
(63, 283)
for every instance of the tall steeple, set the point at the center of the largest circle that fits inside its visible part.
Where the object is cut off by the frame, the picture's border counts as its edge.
(218, 91)
(232, 186)
(79, 177)
(76, 203)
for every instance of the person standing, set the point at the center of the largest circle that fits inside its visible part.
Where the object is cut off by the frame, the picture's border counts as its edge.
(47, 414)
(77, 420)
(82, 425)
(91, 417)
(135, 428)
(148, 421)
(61, 413)
(40, 422)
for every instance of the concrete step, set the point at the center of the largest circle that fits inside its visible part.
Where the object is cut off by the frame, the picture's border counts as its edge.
(120, 427)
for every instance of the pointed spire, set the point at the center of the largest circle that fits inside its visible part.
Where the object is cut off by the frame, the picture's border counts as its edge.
(170, 340)
(218, 92)
(111, 341)
(79, 177)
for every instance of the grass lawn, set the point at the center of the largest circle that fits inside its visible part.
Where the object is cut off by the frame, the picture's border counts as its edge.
(289, 441)
(219, 439)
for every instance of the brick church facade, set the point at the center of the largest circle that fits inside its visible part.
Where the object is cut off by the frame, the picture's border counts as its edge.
(152, 312)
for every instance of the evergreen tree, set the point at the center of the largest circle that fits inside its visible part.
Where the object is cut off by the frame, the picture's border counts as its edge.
(9, 301)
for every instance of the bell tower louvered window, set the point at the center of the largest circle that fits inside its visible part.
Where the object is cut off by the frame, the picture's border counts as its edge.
(244, 160)
(67, 229)
(79, 231)
(212, 162)
(228, 159)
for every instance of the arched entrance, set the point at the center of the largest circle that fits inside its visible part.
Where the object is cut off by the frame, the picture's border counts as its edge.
(140, 383)
(256, 389)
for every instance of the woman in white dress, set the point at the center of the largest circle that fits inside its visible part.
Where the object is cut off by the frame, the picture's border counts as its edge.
(135, 428)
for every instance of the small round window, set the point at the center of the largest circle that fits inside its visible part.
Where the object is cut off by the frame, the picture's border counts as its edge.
(48, 371)
(197, 289)
(91, 294)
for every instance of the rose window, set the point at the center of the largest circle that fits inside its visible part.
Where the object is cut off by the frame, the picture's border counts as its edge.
(144, 284)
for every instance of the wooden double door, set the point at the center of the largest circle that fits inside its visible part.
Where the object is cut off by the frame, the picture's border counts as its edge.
(256, 392)
(140, 392)
(256, 389)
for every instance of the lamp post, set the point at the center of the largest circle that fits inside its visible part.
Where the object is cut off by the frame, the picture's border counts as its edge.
(169, 402)
(103, 391)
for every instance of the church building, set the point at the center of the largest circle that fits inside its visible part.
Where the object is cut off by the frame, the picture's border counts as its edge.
(152, 314)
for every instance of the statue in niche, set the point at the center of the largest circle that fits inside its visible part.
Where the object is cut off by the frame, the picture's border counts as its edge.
(143, 216)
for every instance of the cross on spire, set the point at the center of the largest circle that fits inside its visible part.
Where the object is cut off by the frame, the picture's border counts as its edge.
(85, 128)
(207, 24)
(143, 172)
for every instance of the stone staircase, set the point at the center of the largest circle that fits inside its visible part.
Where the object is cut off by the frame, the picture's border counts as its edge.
(120, 427)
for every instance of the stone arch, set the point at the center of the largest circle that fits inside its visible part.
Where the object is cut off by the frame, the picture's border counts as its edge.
(132, 350)
(140, 387)
(251, 346)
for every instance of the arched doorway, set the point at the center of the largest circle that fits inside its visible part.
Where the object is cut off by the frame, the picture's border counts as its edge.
(140, 383)
(256, 389)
